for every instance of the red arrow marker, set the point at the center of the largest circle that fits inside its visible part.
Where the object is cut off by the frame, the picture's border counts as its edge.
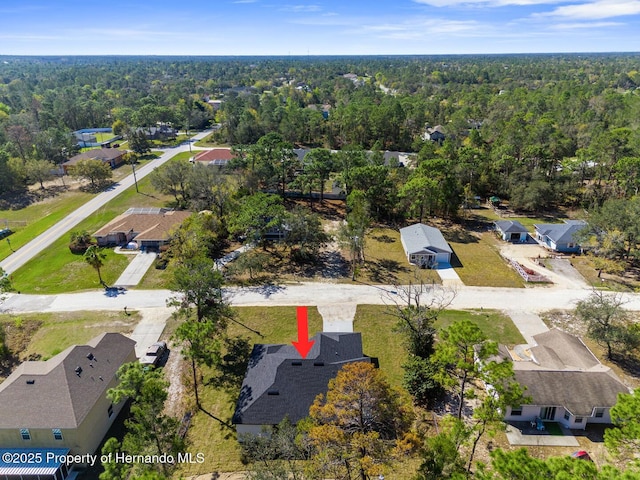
(303, 345)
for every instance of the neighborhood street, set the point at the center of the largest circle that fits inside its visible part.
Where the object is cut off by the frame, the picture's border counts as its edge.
(16, 260)
(536, 299)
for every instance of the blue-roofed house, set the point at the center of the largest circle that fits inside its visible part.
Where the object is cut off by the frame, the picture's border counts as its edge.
(425, 246)
(560, 237)
(511, 230)
(279, 383)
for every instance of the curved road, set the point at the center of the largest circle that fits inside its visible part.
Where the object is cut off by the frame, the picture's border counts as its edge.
(16, 260)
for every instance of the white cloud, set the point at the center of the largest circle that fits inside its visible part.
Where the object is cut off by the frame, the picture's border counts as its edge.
(488, 3)
(301, 8)
(597, 10)
(584, 25)
(421, 29)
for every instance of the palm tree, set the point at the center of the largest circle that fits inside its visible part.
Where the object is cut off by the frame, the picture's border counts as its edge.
(94, 257)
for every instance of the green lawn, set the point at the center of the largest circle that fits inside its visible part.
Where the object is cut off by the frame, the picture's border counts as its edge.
(58, 331)
(57, 270)
(42, 215)
(386, 263)
(495, 325)
(477, 262)
(39, 217)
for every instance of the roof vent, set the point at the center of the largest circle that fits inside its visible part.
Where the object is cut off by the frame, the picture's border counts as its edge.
(296, 364)
(90, 356)
(31, 381)
(318, 364)
(78, 370)
(273, 392)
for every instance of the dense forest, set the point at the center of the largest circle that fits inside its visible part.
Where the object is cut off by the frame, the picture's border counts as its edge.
(542, 131)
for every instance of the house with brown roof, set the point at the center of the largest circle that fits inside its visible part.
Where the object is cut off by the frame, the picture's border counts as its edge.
(113, 156)
(565, 381)
(216, 157)
(62, 403)
(150, 228)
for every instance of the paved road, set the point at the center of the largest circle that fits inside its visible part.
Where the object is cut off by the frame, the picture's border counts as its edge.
(16, 260)
(537, 299)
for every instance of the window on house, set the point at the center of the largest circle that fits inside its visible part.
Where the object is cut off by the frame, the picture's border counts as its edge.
(516, 411)
(110, 411)
(578, 420)
(57, 434)
(24, 433)
(567, 415)
(599, 412)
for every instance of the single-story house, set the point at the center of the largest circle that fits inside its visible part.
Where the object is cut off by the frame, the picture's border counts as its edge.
(113, 156)
(62, 402)
(158, 133)
(279, 383)
(565, 381)
(150, 228)
(424, 245)
(219, 157)
(511, 230)
(560, 237)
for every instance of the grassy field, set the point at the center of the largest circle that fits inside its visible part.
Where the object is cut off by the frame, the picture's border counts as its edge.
(386, 263)
(57, 270)
(278, 325)
(488, 214)
(495, 325)
(54, 332)
(39, 217)
(477, 262)
(42, 214)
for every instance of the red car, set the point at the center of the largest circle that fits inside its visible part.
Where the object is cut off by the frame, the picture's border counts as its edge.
(582, 455)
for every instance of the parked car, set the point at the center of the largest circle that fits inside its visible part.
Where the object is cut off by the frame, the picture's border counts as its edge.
(154, 354)
(5, 232)
(582, 455)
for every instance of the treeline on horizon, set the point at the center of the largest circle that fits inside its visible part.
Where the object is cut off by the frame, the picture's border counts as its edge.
(543, 130)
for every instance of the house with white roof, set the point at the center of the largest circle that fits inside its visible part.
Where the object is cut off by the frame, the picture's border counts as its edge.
(425, 246)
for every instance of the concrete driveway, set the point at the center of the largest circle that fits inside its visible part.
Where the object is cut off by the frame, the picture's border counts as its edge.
(136, 269)
(561, 273)
(149, 328)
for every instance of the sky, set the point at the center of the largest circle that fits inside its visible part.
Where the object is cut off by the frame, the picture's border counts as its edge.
(317, 27)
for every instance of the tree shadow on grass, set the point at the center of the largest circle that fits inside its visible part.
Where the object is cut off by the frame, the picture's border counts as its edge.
(22, 199)
(630, 364)
(384, 239)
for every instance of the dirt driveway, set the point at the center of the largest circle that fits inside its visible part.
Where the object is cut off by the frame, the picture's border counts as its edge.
(560, 271)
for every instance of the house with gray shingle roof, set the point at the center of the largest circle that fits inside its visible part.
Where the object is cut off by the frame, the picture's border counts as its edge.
(566, 382)
(425, 246)
(62, 402)
(511, 230)
(279, 383)
(560, 237)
